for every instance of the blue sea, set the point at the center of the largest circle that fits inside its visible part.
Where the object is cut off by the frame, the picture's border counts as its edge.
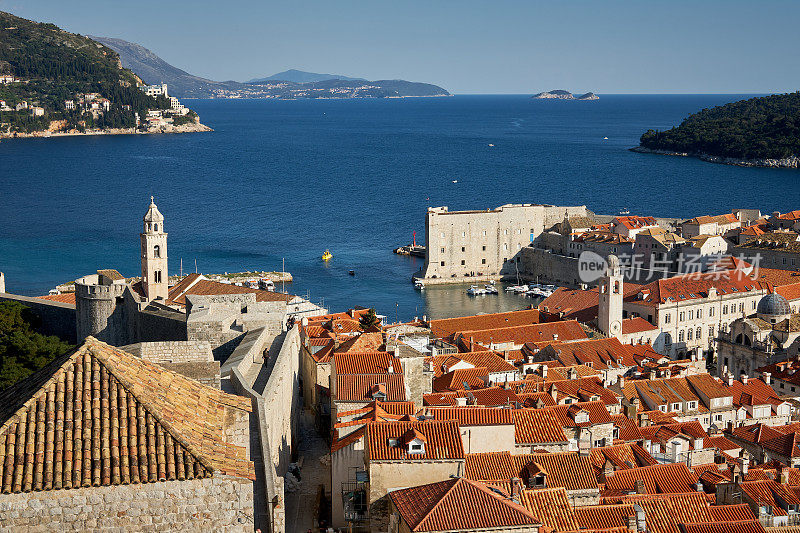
(285, 180)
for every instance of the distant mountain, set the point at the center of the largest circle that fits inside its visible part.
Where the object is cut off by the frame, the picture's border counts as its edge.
(561, 94)
(153, 70)
(299, 76)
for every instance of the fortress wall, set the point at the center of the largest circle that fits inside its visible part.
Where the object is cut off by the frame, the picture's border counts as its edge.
(461, 244)
(57, 318)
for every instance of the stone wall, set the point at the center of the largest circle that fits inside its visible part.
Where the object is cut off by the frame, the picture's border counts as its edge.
(547, 267)
(174, 351)
(57, 318)
(218, 503)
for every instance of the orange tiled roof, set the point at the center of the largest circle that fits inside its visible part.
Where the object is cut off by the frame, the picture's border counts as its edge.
(196, 284)
(488, 359)
(445, 327)
(601, 353)
(461, 379)
(621, 456)
(604, 516)
(472, 416)
(731, 513)
(636, 325)
(579, 304)
(536, 426)
(359, 387)
(366, 363)
(551, 507)
(458, 505)
(664, 478)
(727, 218)
(743, 526)
(635, 221)
(100, 416)
(368, 341)
(566, 469)
(695, 285)
(443, 440)
(768, 492)
(564, 330)
(64, 297)
(489, 466)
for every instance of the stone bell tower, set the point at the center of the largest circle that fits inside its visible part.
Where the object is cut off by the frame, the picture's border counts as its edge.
(609, 310)
(154, 255)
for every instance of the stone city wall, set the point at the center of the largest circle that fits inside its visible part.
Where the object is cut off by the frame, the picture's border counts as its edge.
(218, 503)
(175, 351)
(57, 318)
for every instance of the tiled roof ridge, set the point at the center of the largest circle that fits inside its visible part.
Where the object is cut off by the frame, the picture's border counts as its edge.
(438, 503)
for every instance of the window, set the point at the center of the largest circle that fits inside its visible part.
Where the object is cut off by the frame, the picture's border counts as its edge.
(155, 227)
(441, 263)
(690, 334)
(463, 262)
(442, 250)
(483, 261)
(505, 232)
(157, 276)
(691, 315)
(692, 406)
(463, 233)
(505, 246)
(699, 314)
(463, 249)
(676, 407)
(442, 234)
(681, 316)
(483, 248)
(484, 233)
(667, 318)
(598, 443)
(662, 408)
(724, 309)
(698, 333)
(156, 251)
(681, 336)
(505, 260)
(717, 418)
(741, 307)
(753, 306)
(710, 311)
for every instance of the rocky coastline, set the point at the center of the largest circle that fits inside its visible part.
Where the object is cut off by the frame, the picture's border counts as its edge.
(787, 162)
(166, 128)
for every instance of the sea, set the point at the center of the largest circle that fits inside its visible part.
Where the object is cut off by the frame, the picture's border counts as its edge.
(279, 182)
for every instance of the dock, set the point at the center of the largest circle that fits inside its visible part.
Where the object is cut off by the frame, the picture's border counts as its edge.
(411, 249)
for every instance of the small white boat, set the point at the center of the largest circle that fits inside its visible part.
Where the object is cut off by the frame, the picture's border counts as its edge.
(491, 145)
(605, 138)
(490, 289)
(455, 181)
(474, 290)
(517, 288)
(419, 285)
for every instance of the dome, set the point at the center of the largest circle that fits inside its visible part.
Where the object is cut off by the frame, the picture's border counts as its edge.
(773, 304)
(153, 214)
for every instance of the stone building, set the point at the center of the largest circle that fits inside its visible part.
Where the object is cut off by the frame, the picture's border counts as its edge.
(101, 440)
(464, 244)
(772, 250)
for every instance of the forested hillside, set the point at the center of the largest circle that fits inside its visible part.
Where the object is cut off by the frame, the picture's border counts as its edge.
(758, 128)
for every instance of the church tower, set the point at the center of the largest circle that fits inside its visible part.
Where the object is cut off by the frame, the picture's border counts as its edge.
(609, 310)
(154, 254)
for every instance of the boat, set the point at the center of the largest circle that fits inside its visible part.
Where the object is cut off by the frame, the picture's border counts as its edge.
(351, 272)
(266, 284)
(455, 181)
(418, 284)
(516, 288)
(490, 289)
(490, 144)
(327, 256)
(625, 211)
(605, 138)
(474, 290)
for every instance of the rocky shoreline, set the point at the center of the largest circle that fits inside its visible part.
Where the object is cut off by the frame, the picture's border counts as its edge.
(788, 162)
(167, 128)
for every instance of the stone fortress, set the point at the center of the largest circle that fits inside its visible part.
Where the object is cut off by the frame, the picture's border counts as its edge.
(170, 347)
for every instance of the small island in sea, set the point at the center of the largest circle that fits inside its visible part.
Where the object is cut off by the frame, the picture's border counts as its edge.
(757, 132)
(53, 82)
(561, 94)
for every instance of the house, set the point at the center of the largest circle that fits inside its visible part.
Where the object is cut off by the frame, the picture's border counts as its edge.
(773, 503)
(568, 470)
(407, 454)
(630, 226)
(536, 430)
(482, 429)
(709, 225)
(458, 505)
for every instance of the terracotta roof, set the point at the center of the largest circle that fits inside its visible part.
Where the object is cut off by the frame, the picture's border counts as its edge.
(746, 526)
(580, 304)
(604, 516)
(564, 330)
(536, 426)
(64, 297)
(366, 363)
(731, 513)
(600, 353)
(636, 325)
(628, 429)
(567, 413)
(694, 286)
(776, 277)
(768, 492)
(621, 456)
(472, 416)
(196, 284)
(493, 362)
(443, 440)
(663, 512)
(445, 327)
(363, 343)
(551, 507)
(350, 438)
(359, 387)
(604, 236)
(566, 469)
(461, 379)
(489, 466)
(663, 478)
(727, 218)
(634, 221)
(458, 505)
(100, 416)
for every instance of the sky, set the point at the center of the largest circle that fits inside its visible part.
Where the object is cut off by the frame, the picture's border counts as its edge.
(467, 47)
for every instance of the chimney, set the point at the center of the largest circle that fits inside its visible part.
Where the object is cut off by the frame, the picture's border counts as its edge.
(632, 524)
(641, 524)
(639, 487)
(768, 378)
(390, 369)
(461, 401)
(515, 481)
(471, 344)
(621, 381)
(744, 379)
(554, 393)
(730, 379)
(698, 486)
(783, 476)
(544, 371)
(555, 336)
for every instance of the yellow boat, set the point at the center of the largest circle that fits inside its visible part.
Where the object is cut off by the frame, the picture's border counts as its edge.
(327, 255)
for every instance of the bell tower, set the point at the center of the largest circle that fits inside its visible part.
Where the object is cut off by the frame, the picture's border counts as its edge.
(154, 254)
(609, 310)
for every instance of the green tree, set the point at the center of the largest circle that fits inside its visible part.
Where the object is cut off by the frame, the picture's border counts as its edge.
(369, 319)
(23, 350)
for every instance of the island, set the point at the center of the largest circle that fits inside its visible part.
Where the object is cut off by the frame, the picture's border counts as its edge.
(757, 132)
(290, 84)
(53, 82)
(561, 94)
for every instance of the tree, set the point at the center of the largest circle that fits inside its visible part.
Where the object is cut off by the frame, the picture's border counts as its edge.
(369, 319)
(23, 350)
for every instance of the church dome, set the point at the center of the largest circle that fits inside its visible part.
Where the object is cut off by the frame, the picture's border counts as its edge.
(153, 214)
(773, 304)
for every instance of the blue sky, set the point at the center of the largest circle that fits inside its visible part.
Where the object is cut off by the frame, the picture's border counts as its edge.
(701, 46)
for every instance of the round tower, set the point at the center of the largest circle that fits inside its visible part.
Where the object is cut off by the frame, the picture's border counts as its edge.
(154, 254)
(96, 311)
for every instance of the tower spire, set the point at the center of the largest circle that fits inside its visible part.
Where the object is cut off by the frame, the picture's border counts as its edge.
(154, 254)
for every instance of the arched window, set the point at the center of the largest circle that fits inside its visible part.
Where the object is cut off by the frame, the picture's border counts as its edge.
(156, 251)
(616, 287)
(155, 227)
(739, 339)
(157, 276)
(747, 341)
